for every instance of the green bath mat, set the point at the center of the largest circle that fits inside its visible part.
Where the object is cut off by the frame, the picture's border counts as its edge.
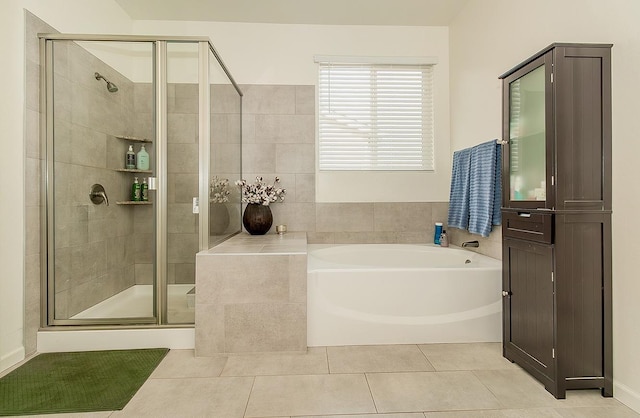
(77, 382)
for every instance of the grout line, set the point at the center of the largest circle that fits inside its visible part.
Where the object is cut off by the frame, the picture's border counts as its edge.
(427, 358)
(326, 351)
(223, 367)
(244, 414)
(371, 393)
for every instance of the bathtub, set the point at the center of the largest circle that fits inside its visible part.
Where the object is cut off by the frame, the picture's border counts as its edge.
(401, 294)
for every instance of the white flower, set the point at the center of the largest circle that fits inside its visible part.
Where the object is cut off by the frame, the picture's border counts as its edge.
(218, 190)
(260, 193)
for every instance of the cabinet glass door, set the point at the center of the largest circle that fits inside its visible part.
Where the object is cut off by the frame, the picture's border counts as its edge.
(527, 137)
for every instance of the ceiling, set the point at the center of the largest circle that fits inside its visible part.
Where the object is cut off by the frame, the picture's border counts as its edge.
(322, 12)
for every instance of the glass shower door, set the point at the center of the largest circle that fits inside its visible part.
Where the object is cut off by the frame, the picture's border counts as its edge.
(101, 236)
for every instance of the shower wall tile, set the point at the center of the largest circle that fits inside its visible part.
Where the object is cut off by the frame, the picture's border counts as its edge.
(285, 129)
(143, 273)
(306, 100)
(182, 248)
(144, 248)
(79, 105)
(185, 187)
(32, 78)
(182, 158)
(32, 189)
(295, 158)
(225, 158)
(344, 217)
(225, 99)
(225, 129)
(305, 190)
(186, 99)
(180, 219)
(185, 273)
(269, 100)
(88, 147)
(32, 134)
(182, 128)
(143, 126)
(248, 129)
(143, 97)
(259, 158)
(32, 239)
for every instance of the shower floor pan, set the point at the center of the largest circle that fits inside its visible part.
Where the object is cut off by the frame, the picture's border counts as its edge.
(137, 302)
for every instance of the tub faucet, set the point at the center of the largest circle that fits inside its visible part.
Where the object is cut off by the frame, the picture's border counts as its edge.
(470, 244)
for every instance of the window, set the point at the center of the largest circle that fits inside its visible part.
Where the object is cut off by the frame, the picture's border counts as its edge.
(375, 116)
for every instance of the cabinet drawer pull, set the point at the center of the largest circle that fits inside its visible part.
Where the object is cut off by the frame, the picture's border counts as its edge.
(524, 214)
(505, 293)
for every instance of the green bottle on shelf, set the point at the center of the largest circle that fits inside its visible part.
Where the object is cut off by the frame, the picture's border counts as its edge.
(136, 190)
(144, 190)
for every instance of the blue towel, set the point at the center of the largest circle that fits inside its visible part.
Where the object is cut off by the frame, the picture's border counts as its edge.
(484, 188)
(459, 193)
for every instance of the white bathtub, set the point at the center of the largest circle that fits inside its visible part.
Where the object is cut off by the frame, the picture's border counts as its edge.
(401, 294)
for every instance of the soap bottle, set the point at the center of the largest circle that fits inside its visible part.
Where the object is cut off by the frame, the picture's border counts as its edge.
(436, 236)
(130, 162)
(143, 159)
(135, 190)
(144, 190)
(444, 239)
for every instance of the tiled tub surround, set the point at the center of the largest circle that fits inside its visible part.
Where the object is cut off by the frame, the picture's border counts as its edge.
(252, 295)
(278, 129)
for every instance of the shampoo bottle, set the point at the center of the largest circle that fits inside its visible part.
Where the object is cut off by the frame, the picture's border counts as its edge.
(143, 159)
(144, 190)
(444, 239)
(438, 231)
(135, 190)
(130, 161)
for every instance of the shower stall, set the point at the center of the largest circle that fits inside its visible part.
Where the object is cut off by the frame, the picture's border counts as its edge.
(142, 138)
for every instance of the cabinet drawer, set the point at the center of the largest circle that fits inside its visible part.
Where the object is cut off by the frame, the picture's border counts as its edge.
(527, 225)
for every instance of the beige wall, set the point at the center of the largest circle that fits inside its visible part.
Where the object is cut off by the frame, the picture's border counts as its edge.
(491, 36)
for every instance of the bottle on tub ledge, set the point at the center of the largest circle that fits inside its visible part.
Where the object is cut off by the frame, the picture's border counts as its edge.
(444, 239)
(438, 232)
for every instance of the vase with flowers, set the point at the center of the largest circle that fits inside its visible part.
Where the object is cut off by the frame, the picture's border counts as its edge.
(257, 218)
(218, 211)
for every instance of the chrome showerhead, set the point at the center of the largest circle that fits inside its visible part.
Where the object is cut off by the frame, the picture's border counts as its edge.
(110, 86)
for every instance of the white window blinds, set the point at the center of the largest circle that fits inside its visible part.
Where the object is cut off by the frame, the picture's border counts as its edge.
(375, 117)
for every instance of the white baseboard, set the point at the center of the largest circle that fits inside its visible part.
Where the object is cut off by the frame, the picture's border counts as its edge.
(12, 358)
(627, 396)
(92, 340)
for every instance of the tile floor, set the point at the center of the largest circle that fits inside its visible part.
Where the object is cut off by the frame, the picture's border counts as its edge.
(400, 381)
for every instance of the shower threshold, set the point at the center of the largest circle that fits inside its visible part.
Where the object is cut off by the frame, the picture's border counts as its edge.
(137, 302)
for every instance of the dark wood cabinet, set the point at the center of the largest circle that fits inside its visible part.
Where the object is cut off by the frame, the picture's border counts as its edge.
(557, 217)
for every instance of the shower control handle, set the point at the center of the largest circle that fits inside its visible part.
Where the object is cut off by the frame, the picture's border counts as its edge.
(98, 195)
